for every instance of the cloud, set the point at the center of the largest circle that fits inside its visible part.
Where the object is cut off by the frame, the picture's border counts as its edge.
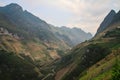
(89, 14)
(2, 3)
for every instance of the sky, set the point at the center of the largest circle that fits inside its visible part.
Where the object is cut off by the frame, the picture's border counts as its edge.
(84, 14)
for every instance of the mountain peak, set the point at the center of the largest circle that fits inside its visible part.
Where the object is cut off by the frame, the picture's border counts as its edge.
(112, 11)
(107, 20)
(14, 6)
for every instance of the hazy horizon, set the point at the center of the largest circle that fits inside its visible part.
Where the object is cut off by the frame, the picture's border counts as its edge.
(83, 14)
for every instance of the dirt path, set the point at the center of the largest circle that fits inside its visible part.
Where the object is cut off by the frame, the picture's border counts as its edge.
(50, 74)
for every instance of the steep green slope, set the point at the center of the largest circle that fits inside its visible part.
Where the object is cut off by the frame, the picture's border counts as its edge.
(102, 70)
(22, 32)
(13, 67)
(35, 45)
(32, 35)
(31, 39)
(89, 53)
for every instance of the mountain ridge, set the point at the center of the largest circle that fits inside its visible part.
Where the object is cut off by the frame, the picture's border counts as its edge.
(31, 44)
(82, 57)
(26, 20)
(31, 38)
(107, 20)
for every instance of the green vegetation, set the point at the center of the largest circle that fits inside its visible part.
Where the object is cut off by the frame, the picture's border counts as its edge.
(92, 53)
(39, 50)
(113, 33)
(103, 76)
(88, 59)
(13, 67)
(106, 69)
(116, 70)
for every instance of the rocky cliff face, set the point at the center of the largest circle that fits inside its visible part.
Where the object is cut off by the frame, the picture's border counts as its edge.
(107, 20)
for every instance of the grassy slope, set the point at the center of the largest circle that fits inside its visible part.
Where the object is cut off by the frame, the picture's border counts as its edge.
(84, 55)
(36, 49)
(102, 70)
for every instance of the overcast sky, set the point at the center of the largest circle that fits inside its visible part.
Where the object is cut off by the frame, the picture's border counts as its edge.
(85, 14)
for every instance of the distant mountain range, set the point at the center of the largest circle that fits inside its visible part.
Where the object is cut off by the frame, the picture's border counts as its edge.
(34, 39)
(71, 36)
(26, 25)
(29, 28)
